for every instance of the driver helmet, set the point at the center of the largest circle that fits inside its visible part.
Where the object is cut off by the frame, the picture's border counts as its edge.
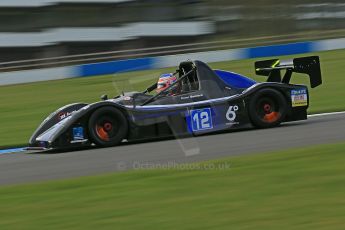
(165, 80)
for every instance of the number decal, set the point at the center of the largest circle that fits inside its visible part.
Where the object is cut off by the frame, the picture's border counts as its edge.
(205, 118)
(201, 119)
(231, 113)
(196, 121)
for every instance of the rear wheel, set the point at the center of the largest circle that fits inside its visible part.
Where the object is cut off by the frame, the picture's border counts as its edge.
(107, 126)
(267, 108)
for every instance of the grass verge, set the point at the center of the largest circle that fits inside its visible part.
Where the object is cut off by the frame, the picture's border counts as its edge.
(24, 106)
(294, 189)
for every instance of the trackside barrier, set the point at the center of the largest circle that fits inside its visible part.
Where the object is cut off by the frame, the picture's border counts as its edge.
(102, 68)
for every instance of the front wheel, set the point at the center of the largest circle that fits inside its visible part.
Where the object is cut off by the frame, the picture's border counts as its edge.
(267, 108)
(107, 126)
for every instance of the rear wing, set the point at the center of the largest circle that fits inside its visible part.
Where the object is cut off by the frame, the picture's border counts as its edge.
(307, 65)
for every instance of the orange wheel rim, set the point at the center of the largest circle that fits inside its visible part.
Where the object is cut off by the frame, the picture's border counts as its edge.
(102, 133)
(268, 111)
(272, 117)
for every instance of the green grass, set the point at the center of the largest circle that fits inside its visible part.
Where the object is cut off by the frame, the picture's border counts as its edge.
(294, 189)
(24, 106)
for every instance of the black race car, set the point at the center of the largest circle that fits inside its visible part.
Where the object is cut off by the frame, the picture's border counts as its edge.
(201, 101)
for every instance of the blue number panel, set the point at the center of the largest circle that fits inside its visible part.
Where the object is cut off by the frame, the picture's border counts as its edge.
(200, 119)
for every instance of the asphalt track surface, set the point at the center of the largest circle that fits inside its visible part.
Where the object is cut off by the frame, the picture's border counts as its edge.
(27, 167)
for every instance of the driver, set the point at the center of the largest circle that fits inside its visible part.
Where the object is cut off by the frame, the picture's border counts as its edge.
(164, 81)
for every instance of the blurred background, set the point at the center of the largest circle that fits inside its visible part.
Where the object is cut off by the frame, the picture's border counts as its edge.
(34, 29)
(104, 38)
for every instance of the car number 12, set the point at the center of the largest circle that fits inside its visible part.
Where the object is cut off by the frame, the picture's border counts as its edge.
(201, 119)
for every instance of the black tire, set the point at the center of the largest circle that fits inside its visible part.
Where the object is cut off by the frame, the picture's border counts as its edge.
(107, 126)
(267, 108)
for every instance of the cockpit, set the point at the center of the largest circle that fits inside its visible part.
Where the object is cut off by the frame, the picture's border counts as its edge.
(193, 79)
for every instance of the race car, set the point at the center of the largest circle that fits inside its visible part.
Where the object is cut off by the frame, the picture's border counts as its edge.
(200, 101)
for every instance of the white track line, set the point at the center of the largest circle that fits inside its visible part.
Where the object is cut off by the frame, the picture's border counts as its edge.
(326, 114)
(12, 150)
